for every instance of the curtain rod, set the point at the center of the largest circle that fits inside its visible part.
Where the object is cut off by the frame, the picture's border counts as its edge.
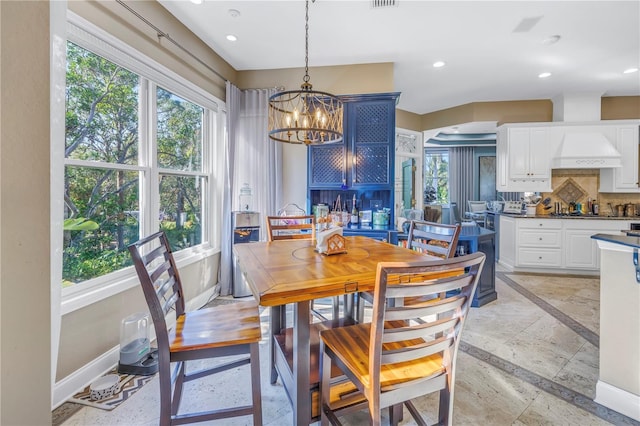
(168, 37)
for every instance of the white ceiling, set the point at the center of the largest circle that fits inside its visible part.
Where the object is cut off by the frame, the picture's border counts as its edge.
(487, 59)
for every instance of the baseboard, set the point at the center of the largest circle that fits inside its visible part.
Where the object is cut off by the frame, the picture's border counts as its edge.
(619, 400)
(79, 379)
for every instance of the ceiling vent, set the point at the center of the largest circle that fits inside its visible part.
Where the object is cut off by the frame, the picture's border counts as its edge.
(376, 4)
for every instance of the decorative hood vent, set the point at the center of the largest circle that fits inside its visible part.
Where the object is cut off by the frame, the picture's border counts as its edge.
(586, 150)
(585, 144)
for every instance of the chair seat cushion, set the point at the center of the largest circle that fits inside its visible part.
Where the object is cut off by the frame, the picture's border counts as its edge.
(219, 326)
(351, 345)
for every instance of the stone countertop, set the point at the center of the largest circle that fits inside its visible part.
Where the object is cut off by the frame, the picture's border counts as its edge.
(584, 216)
(624, 240)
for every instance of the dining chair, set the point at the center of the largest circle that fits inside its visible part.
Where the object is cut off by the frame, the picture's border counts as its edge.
(221, 331)
(394, 359)
(455, 218)
(435, 239)
(291, 227)
(476, 211)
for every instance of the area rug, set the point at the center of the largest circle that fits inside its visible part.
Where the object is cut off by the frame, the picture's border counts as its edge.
(128, 385)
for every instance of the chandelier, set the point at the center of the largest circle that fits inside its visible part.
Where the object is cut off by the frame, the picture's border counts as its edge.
(305, 116)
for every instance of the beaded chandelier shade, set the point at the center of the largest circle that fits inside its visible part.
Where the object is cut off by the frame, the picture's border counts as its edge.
(305, 116)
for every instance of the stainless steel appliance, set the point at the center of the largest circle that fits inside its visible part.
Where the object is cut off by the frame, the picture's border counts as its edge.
(246, 229)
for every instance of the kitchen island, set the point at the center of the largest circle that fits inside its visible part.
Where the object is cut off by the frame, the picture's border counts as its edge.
(618, 384)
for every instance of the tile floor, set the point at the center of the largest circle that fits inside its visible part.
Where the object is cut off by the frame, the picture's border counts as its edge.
(529, 358)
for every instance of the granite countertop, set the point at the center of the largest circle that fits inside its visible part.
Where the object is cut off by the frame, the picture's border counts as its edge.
(584, 216)
(624, 240)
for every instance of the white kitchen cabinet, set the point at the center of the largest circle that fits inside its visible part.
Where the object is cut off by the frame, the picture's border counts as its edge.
(581, 252)
(523, 159)
(553, 245)
(625, 178)
(539, 243)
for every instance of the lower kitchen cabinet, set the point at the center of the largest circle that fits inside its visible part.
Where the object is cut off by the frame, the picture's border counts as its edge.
(553, 245)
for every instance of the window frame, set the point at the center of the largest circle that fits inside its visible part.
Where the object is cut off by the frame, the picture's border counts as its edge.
(440, 151)
(88, 36)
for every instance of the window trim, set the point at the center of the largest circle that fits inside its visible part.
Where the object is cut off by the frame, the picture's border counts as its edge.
(90, 37)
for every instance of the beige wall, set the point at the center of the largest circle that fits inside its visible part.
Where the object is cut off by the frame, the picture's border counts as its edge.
(25, 311)
(620, 107)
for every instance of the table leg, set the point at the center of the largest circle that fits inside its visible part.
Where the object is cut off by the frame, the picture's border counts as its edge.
(275, 325)
(301, 397)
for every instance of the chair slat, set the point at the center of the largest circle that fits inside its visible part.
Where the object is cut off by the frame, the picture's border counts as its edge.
(409, 353)
(421, 331)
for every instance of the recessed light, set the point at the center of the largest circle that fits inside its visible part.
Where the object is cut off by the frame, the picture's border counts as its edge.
(630, 70)
(544, 75)
(231, 37)
(438, 64)
(196, 1)
(234, 13)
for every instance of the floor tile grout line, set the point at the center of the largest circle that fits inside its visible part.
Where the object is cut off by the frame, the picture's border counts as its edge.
(549, 386)
(574, 325)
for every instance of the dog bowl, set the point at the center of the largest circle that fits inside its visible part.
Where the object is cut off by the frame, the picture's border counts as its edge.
(104, 387)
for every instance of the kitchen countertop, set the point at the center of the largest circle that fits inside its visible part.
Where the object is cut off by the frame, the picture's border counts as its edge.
(624, 240)
(585, 216)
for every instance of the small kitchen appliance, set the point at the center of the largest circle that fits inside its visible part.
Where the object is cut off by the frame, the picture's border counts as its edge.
(246, 229)
(136, 355)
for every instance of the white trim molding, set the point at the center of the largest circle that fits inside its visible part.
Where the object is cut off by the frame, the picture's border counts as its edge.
(617, 399)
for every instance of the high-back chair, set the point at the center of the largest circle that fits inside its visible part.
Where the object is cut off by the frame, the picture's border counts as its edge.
(291, 227)
(220, 331)
(436, 239)
(395, 359)
(476, 211)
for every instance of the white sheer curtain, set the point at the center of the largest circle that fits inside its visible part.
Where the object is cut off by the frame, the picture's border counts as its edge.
(461, 176)
(252, 158)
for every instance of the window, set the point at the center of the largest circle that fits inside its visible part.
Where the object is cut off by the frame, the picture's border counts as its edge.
(436, 176)
(139, 155)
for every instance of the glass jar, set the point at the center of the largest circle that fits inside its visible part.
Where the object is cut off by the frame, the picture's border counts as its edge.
(246, 198)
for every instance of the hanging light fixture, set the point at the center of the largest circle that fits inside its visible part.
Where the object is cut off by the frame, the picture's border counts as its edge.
(305, 116)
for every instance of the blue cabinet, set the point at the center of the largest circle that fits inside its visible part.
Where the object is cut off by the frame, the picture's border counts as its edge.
(363, 163)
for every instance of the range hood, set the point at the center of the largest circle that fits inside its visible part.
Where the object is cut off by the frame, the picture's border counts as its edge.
(586, 150)
(585, 145)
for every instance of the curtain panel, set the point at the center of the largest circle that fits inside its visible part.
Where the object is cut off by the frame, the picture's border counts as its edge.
(252, 158)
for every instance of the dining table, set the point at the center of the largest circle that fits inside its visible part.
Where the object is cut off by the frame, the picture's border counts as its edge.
(292, 272)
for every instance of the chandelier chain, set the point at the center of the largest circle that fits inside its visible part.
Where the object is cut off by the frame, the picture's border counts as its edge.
(306, 43)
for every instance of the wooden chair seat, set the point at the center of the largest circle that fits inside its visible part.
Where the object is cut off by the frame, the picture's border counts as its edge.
(224, 325)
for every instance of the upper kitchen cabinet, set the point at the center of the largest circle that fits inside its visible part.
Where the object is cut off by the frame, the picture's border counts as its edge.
(625, 178)
(365, 157)
(523, 160)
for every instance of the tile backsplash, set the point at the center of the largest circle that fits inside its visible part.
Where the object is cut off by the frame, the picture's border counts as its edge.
(588, 180)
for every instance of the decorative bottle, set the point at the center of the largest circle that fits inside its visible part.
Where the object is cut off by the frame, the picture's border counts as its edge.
(354, 211)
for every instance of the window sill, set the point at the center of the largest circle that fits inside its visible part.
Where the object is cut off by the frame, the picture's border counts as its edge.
(83, 295)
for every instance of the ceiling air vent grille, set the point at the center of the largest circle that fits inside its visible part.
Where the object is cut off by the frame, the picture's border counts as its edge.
(383, 3)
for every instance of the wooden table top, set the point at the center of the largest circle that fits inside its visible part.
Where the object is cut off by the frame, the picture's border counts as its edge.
(289, 271)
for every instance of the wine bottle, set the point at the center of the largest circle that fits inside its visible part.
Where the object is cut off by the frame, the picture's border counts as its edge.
(354, 211)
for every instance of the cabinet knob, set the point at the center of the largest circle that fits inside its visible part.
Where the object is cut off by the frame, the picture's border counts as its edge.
(540, 238)
(539, 257)
(539, 224)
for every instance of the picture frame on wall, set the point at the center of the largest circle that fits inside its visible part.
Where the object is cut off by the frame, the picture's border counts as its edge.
(487, 178)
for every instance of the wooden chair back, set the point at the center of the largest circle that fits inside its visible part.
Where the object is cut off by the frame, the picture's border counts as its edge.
(291, 227)
(396, 358)
(160, 281)
(436, 239)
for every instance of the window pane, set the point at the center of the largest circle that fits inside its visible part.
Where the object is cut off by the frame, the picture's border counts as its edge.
(110, 199)
(436, 177)
(181, 210)
(179, 132)
(101, 109)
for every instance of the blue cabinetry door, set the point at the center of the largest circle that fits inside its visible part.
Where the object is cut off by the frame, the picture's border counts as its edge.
(327, 165)
(371, 137)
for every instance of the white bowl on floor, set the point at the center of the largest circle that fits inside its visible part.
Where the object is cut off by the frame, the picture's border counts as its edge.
(104, 387)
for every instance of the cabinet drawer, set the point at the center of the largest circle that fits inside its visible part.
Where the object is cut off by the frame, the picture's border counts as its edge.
(540, 238)
(539, 257)
(540, 224)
